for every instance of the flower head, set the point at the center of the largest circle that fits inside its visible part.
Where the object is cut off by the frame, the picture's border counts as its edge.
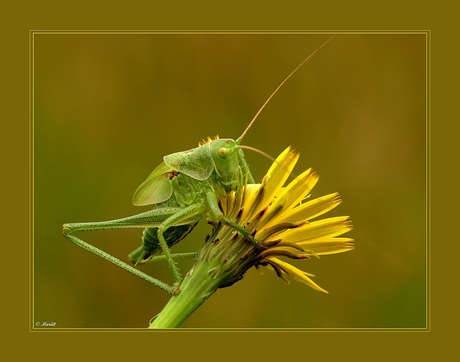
(280, 220)
(261, 223)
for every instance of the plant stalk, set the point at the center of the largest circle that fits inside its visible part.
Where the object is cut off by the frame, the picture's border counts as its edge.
(221, 261)
(196, 287)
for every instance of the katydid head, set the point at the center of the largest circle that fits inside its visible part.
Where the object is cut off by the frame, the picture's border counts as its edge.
(225, 157)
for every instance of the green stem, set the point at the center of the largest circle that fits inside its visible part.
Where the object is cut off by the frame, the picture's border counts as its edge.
(196, 287)
(221, 261)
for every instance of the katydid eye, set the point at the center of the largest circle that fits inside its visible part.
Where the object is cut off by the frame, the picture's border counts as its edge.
(222, 152)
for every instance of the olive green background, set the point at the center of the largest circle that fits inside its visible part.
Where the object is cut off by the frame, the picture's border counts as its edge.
(17, 278)
(107, 107)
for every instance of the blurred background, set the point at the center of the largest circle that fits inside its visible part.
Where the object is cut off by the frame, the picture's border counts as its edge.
(108, 107)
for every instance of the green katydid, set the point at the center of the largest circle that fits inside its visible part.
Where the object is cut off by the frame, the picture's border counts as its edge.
(185, 187)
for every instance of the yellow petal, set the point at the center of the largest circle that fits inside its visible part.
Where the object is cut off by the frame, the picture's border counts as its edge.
(312, 208)
(298, 189)
(278, 174)
(328, 245)
(297, 274)
(250, 196)
(290, 196)
(333, 226)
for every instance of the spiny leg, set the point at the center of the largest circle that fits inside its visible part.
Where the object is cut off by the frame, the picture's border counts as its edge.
(219, 216)
(119, 263)
(151, 246)
(191, 212)
(242, 231)
(175, 256)
(149, 218)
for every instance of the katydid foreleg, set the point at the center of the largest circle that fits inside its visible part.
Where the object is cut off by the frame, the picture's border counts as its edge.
(248, 178)
(217, 215)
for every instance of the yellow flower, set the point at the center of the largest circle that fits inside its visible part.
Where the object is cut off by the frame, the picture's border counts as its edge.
(280, 219)
(261, 223)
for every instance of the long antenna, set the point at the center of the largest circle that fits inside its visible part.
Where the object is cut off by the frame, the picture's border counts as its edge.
(256, 150)
(281, 84)
(266, 155)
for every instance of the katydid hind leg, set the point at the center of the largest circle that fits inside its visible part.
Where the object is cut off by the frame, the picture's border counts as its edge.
(145, 220)
(119, 263)
(149, 218)
(152, 218)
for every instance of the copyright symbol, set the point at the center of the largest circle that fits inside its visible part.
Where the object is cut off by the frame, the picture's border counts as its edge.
(37, 324)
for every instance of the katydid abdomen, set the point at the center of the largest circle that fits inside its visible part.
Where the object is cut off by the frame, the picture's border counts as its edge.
(151, 245)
